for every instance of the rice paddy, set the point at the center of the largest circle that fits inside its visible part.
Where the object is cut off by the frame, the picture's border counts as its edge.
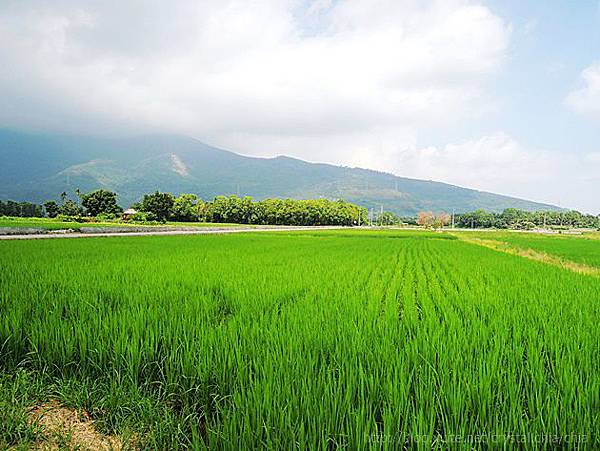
(584, 249)
(323, 340)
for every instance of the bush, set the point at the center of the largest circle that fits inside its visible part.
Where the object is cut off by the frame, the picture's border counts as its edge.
(144, 216)
(525, 225)
(69, 218)
(106, 217)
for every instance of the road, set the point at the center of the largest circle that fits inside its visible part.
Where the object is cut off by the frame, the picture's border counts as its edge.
(200, 231)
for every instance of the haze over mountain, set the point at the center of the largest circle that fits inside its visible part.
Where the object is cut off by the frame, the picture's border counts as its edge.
(38, 167)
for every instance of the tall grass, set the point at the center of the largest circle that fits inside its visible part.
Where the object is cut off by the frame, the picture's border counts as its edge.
(307, 341)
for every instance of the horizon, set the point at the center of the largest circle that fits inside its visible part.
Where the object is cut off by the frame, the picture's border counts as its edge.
(495, 96)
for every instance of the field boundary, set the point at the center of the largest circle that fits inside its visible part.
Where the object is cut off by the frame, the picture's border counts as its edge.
(503, 246)
(199, 231)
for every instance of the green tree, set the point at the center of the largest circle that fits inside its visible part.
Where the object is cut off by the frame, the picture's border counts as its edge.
(100, 201)
(184, 208)
(70, 208)
(281, 212)
(387, 218)
(51, 208)
(160, 204)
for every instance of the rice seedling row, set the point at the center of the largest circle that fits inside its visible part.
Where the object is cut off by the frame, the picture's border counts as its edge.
(305, 340)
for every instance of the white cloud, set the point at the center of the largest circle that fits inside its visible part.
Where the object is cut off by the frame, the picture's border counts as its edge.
(586, 100)
(350, 82)
(498, 163)
(220, 68)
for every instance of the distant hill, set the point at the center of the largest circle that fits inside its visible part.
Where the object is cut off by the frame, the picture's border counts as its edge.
(38, 167)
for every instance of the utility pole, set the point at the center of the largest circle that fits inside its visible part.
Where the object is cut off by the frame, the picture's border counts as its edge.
(544, 220)
(453, 218)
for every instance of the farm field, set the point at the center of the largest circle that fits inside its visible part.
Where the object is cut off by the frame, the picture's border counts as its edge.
(56, 224)
(583, 248)
(301, 340)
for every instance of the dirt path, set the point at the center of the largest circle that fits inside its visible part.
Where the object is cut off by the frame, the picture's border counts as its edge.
(199, 231)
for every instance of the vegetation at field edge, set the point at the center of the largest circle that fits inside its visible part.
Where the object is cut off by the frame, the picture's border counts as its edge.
(57, 224)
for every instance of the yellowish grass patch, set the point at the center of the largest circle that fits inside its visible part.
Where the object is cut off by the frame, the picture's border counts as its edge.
(65, 428)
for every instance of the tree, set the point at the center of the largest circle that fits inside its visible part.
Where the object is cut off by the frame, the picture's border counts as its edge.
(440, 220)
(281, 212)
(387, 218)
(70, 208)
(184, 208)
(20, 209)
(425, 219)
(100, 202)
(160, 204)
(51, 208)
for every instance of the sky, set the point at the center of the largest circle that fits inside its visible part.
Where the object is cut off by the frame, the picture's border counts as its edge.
(501, 96)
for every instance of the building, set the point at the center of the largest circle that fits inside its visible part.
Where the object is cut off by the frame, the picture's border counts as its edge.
(128, 214)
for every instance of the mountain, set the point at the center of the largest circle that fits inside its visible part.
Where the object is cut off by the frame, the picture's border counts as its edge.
(38, 167)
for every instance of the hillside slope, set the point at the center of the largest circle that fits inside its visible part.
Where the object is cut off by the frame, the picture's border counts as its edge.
(37, 167)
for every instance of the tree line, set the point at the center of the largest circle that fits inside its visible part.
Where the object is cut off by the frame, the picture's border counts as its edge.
(21, 209)
(510, 218)
(161, 207)
(513, 218)
(245, 210)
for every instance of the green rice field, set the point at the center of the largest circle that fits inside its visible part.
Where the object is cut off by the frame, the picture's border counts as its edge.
(298, 340)
(583, 248)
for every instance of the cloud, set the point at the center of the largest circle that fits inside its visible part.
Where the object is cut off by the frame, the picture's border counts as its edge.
(586, 100)
(499, 163)
(212, 68)
(351, 82)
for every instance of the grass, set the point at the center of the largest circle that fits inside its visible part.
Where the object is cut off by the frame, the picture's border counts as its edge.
(584, 249)
(302, 340)
(56, 224)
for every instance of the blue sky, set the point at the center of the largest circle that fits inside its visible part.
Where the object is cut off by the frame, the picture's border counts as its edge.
(552, 43)
(502, 96)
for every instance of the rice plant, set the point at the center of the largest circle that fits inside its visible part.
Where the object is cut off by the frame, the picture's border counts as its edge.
(384, 340)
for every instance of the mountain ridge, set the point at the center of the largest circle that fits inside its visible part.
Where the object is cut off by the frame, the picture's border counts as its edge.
(39, 166)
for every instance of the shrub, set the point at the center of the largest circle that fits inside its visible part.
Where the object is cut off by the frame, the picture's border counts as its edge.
(144, 216)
